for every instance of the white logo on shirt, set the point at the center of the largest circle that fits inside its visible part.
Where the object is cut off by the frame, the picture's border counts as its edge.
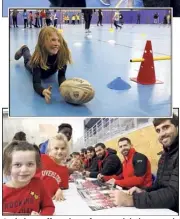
(51, 174)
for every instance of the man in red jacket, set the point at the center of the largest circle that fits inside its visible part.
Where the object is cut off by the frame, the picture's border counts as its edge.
(136, 167)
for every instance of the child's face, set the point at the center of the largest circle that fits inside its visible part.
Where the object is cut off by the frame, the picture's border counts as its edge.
(58, 150)
(23, 166)
(53, 44)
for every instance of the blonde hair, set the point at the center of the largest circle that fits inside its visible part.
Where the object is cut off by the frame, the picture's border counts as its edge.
(58, 137)
(40, 55)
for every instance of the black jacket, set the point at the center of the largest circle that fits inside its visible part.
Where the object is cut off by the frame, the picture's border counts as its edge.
(68, 3)
(165, 191)
(92, 165)
(87, 11)
(109, 165)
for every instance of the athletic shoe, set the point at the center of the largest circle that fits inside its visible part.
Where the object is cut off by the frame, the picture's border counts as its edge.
(19, 53)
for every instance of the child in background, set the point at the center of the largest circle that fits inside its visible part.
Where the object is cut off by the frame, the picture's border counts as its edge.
(37, 19)
(55, 18)
(78, 18)
(24, 193)
(67, 18)
(116, 20)
(30, 19)
(51, 54)
(25, 17)
(73, 19)
(54, 175)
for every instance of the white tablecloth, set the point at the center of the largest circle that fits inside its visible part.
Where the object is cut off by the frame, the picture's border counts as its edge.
(75, 205)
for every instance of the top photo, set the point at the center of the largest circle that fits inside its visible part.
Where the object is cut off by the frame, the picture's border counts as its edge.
(175, 4)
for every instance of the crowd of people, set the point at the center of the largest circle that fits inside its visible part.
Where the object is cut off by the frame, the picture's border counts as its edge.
(42, 172)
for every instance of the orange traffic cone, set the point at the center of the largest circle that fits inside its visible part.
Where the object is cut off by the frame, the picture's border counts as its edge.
(146, 73)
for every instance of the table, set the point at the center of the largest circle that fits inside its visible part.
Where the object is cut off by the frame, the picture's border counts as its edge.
(75, 205)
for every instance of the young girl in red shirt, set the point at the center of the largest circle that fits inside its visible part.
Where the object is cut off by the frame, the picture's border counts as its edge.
(54, 174)
(24, 193)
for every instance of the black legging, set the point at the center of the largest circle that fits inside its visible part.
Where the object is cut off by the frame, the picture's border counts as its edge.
(87, 19)
(116, 25)
(55, 23)
(25, 23)
(100, 20)
(48, 21)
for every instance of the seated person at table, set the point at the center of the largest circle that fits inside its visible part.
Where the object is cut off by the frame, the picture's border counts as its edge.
(76, 155)
(165, 191)
(136, 167)
(75, 165)
(65, 129)
(55, 175)
(108, 162)
(92, 163)
(84, 155)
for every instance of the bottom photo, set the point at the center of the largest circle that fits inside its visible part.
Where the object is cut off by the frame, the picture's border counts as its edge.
(90, 166)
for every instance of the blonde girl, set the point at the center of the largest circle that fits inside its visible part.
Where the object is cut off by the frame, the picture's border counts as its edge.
(51, 55)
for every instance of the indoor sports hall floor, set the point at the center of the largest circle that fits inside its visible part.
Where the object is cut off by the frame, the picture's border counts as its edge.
(99, 62)
(45, 3)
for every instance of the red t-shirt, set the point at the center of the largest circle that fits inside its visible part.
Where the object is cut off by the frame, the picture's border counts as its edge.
(32, 197)
(54, 176)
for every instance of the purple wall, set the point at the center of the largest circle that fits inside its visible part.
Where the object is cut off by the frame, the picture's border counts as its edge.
(129, 16)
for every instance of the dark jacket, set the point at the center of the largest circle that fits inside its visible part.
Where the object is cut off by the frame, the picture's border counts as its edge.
(87, 11)
(92, 165)
(109, 165)
(165, 191)
(68, 3)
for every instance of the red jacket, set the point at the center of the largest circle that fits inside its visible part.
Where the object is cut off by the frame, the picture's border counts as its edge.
(53, 175)
(136, 171)
(32, 197)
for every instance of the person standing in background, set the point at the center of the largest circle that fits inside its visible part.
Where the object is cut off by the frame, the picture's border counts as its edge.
(30, 19)
(48, 17)
(100, 17)
(78, 18)
(25, 17)
(87, 18)
(116, 20)
(138, 18)
(121, 21)
(14, 17)
(55, 18)
(42, 18)
(156, 18)
(37, 25)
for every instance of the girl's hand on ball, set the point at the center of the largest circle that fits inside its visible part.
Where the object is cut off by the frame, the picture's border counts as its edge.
(47, 94)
